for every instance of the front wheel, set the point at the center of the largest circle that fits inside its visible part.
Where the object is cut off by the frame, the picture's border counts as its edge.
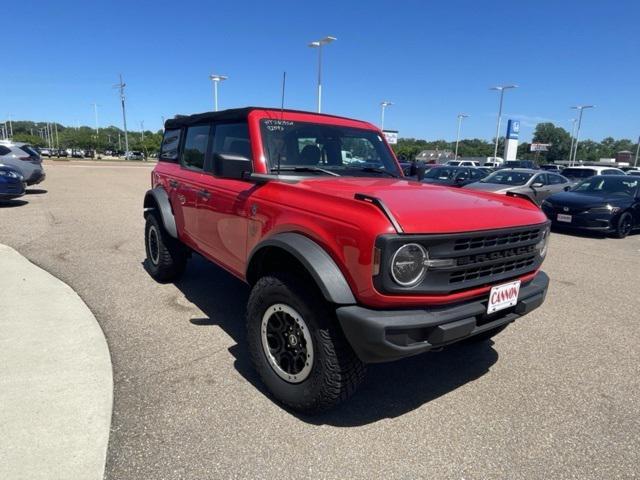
(297, 347)
(625, 225)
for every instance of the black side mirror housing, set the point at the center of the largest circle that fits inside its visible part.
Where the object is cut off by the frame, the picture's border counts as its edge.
(567, 188)
(230, 165)
(420, 171)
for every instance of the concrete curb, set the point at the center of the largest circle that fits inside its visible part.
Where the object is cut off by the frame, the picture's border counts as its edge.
(56, 384)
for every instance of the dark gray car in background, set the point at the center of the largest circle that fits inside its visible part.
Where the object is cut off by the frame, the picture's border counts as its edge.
(535, 184)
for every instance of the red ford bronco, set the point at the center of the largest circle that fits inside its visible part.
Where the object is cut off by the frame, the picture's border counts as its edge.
(349, 261)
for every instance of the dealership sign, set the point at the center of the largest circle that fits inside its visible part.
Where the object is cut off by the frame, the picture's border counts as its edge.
(391, 136)
(540, 147)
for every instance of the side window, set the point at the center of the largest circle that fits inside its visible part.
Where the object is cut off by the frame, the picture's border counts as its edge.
(195, 146)
(169, 147)
(232, 138)
(610, 172)
(475, 173)
(540, 178)
(4, 150)
(462, 175)
(555, 179)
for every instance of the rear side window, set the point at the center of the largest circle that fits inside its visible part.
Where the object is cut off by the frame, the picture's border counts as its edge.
(4, 150)
(610, 172)
(195, 146)
(170, 144)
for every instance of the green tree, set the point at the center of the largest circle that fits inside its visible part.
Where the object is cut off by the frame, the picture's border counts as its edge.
(559, 139)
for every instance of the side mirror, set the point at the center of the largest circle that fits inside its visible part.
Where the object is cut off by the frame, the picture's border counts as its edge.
(420, 171)
(567, 188)
(537, 185)
(460, 179)
(230, 165)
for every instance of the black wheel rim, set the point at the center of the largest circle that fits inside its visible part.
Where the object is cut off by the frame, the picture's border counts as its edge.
(625, 227)
(286, 342)
(154, 246)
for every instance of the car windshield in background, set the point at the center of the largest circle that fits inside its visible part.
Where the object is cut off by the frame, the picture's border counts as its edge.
(578, 172)
(609, 186)
(507, 177)
(441, 173)
(313, 148)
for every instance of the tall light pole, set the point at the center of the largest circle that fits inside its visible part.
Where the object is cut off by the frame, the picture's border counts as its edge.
(10, 126)
(384, 105)
(573, 133)
(319, 44)
(461, 116)
(121, 86)
(580, 109)
(216, 79)
(635, 164)
(95, 115)
(501, 89)
(142, 129)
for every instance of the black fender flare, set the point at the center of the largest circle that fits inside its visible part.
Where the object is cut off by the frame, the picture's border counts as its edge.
(158, 200)
(316, 261)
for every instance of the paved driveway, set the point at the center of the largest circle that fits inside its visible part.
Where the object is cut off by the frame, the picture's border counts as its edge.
(556, 396)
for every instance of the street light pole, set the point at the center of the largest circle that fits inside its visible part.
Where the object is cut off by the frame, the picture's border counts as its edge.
(580, 109)
(318, 44)
(501, 89)
(384, 105)
(121, 86)
(635, 164)
(461, 116)
(216, 79)
(573, 133)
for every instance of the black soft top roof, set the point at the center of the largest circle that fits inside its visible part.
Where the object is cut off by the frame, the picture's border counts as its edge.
(230, 115)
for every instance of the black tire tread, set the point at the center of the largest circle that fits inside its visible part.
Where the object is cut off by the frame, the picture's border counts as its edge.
(343, 370)
(172, 259)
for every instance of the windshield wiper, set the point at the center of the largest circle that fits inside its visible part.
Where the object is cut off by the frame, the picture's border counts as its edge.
(307, 169)
(378, 170)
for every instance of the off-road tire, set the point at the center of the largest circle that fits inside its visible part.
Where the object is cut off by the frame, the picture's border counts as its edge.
(166, 256)
(625, 225)
(336, 371)
(485, 336)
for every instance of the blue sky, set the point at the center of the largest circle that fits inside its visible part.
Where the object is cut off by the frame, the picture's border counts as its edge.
(433, 59)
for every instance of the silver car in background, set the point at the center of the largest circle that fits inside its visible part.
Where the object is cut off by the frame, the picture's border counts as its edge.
(535, 184)
(23, 158)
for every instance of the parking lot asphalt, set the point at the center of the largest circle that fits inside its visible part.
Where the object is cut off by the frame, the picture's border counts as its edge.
(557, 395)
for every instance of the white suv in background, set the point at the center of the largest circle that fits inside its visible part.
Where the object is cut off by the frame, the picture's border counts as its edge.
(23, 158)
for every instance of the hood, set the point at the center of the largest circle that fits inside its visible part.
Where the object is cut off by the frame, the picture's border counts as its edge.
(429, 208)
(586, 200)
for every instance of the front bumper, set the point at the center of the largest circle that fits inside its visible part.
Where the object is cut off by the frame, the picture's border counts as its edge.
(597, 222)
(37, 177)
(385, 335)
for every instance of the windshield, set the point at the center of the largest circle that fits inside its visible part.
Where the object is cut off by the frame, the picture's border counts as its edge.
(506, 177)
(579, 172)
(609, 185)
(314, 148)
(441, 173)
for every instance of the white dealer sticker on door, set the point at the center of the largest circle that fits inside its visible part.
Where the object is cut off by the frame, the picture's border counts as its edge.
(503, 296)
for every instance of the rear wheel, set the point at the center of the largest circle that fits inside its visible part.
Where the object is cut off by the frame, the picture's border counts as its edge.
(625, 225)
(297, 347)
(166, 256)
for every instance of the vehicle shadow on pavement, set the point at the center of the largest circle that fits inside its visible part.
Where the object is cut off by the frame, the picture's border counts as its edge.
(35, 191)
(389, 390)
(12, 203)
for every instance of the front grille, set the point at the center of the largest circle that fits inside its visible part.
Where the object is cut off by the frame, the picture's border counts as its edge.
(511, 266)
(474, 243)
(465, 261)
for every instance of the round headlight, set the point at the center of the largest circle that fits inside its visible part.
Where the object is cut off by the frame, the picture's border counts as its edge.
(544, 243)
(408, 264)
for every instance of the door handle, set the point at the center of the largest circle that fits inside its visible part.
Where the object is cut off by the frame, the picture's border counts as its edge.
(204, 193)
(173, 183)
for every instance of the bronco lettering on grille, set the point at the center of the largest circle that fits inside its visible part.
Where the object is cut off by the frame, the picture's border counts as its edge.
(499, 255)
